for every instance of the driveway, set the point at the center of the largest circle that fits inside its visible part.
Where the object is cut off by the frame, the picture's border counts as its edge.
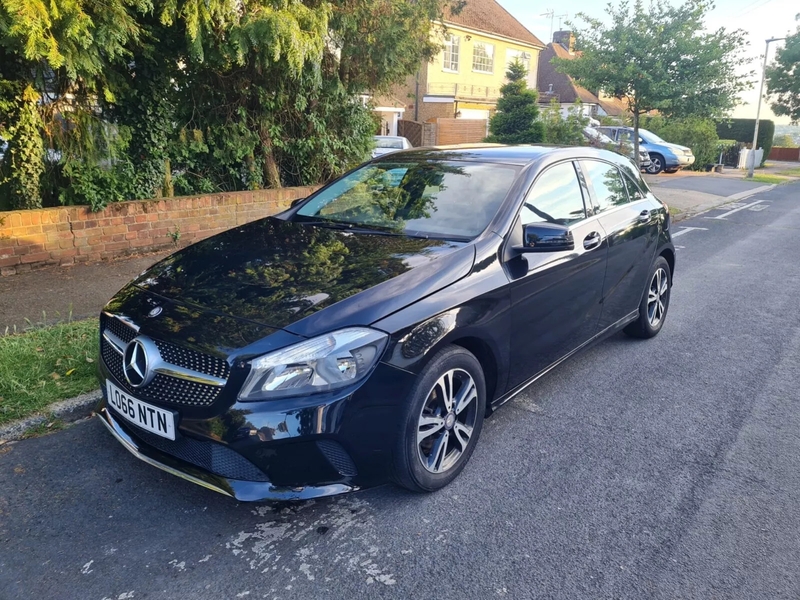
(661, 469)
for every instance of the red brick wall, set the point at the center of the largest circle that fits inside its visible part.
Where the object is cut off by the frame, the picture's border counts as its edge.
(31, 239)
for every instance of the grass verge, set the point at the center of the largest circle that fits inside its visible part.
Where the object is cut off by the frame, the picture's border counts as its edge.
(768, 179)
(46, 365)
(790, 172)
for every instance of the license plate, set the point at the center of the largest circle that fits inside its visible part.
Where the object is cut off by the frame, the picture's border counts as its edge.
(149, 417)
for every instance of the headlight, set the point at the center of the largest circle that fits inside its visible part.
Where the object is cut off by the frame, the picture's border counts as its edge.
(321, 364)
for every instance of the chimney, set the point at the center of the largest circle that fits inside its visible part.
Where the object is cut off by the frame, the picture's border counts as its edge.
(566, 39)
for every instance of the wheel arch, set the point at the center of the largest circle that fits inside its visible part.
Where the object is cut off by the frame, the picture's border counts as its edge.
(669, 256)
(486, 357)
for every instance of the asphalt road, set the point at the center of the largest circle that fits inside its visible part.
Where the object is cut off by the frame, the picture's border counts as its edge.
(660, 469)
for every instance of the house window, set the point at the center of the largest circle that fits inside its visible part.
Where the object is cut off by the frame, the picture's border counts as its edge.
(451, 46)
(523, 57)
(483, 57)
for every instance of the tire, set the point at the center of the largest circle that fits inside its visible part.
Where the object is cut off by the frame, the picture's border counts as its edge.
(653, 307)
(656, 164)
(430, 462)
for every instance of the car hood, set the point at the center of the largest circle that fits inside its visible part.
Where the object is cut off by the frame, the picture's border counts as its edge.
(677, 148)
(304, 278)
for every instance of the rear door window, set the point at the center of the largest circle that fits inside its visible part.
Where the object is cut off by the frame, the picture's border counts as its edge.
(556, 197)
(606, 182)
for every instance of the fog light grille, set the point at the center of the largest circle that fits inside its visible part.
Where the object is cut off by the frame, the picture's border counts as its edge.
(338, 457)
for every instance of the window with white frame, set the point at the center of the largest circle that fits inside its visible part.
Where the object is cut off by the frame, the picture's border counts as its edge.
(451, 46)
(521, 56)
(483, 57)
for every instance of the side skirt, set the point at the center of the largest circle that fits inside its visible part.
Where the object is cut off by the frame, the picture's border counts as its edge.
(610, 330)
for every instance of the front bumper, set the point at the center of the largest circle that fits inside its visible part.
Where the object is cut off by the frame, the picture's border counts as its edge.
(680, 161)
(280, 450)
(245, 491)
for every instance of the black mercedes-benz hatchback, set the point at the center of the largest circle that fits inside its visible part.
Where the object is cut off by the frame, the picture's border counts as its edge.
(363, 335)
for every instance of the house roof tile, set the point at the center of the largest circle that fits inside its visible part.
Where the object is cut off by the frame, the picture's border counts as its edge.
(564, 87)
(489, 16)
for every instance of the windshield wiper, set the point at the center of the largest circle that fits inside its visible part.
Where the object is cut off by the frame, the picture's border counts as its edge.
(350, 227)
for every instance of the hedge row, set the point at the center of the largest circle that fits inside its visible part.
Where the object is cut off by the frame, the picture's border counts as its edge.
(741, 130)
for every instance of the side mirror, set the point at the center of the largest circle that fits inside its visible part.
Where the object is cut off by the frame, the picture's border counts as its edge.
(295, 202)
(546, 237)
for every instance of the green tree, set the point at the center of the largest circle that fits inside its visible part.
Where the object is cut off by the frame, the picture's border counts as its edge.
(24, 160)
(784, 141)
(783, 78)
(660, 57)
(515, 121)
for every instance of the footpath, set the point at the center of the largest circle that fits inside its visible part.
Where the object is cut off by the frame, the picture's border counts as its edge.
(55, 294)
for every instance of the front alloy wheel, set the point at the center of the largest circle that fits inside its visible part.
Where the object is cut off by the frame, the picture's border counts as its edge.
(442, 421)
(656, 164)
(447, 421)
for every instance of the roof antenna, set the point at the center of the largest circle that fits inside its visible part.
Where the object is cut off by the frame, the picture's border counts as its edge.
(550, 14)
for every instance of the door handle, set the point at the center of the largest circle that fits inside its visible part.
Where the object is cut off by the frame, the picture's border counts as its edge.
(644, 216)
(592, 241)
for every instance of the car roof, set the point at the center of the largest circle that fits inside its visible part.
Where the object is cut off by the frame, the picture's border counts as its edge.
(501, 154)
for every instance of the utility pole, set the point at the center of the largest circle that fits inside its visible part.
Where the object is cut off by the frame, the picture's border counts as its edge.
(751, 167)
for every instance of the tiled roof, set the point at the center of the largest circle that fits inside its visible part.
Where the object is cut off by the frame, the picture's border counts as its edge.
(489, 16)
(614, 107)
(564, 87)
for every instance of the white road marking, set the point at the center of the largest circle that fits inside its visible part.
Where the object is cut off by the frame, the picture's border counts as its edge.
(687, 230)
(87, 568)
(758, 208)
(735, 210)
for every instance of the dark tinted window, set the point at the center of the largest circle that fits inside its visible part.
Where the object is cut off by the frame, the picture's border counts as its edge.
(605, 180)
(556, 197)
(417, 197)
(634, 193)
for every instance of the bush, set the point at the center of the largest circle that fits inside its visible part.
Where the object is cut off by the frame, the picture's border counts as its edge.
(698, 134)
(742, 130)
(564, 130)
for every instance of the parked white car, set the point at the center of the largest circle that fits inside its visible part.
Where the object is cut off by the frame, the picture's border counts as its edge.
(384, 144)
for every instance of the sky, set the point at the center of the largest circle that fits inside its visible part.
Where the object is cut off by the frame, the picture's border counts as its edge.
(760, 19)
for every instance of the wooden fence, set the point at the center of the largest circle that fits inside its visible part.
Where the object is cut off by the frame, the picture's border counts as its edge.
(791, 154)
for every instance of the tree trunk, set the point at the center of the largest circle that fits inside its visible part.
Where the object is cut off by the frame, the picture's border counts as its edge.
(272, 175)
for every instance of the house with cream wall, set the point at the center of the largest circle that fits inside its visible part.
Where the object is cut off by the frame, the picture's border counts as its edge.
(464, 79)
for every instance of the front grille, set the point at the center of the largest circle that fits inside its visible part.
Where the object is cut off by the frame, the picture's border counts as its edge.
(338, 457)
(196, 361)
(214, 458)
(123, 331)
(164, 389)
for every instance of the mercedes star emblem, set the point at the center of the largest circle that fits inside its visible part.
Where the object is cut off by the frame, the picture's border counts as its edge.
(155, 312)
(136, 367)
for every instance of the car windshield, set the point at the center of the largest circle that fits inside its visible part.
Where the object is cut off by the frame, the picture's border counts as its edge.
(395, 143)
(650, 137)
(430, 198)
(597, 135)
